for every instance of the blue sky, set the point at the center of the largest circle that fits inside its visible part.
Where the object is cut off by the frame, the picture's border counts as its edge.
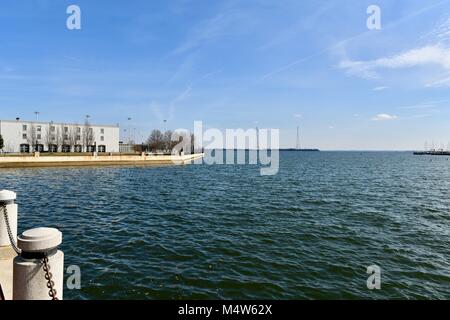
(235, 64)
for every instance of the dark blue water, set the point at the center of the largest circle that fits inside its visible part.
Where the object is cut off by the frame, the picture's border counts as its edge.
(224, 231)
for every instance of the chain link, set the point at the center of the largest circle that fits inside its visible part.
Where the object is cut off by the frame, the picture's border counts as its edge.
(8, 229)
(48, 276)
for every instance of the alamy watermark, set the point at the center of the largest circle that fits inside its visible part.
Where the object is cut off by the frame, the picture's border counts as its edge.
(374, 20)
(73, 281)
(73, 22)
(374, 280)
(231, 146)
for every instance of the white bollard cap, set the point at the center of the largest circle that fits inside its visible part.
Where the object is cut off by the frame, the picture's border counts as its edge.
(39, 239)
(6, 196)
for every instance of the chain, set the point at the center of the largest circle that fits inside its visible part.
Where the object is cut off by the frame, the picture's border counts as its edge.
(8, 228)
(48, 276)
(46, 267)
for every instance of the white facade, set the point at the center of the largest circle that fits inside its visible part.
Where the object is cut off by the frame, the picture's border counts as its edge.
(29, 136)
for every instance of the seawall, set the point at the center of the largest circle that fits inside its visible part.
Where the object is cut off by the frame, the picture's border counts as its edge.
(95, 160)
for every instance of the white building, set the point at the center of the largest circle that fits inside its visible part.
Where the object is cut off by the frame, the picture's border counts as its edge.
(29, 136)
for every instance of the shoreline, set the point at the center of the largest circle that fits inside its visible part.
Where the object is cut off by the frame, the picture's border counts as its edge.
(95, 160)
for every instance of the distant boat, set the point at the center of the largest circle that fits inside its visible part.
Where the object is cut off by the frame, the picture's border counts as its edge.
(300, 150)
(433, 153)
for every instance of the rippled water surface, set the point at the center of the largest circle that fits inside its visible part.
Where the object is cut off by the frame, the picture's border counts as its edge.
(224, 231)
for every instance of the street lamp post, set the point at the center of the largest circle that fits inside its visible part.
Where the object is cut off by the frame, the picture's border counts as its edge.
(129, 130)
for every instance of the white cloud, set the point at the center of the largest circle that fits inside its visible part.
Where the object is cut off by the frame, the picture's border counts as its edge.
(436, 55)
(429, 55)
(297, 115)
(379, 88)
(384, 117)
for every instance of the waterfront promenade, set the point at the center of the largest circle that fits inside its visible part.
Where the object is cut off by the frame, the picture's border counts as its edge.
(36, 160)
(7, 255)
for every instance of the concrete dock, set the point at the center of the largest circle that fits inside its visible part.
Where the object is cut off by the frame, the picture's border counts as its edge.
(7, 256)
(37, 160)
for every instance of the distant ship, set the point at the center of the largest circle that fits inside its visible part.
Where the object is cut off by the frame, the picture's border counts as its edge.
(433, 152)
(300, 150)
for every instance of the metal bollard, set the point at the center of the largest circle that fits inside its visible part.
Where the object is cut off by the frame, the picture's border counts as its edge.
(7, 201)
(38, 273)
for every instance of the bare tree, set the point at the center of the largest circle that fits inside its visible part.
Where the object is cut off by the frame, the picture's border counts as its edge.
(32, 136)
(58, 138)
(64, 135)
(155, 141)
(88, 135)
(49, 137)
(168, 144)
(72, 136)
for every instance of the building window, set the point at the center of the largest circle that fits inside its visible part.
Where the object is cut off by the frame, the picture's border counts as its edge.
(39, 148)
(102, 131)
(78, 129)
(102, 149)
(90, 148)
(66, 137)
(52, 129)
(39, 136)
(102, 138)
(53, 138)
(52, 148)
(65, 148)
(24, 136)
(39, 128)
(66, 129)
(24, 148)
(78, 148)
(78, 138)
(24, 127)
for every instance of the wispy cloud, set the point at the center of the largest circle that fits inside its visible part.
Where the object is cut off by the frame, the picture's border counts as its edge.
(445, 82)
(425, 105)
(436, 55)
(418, 106)
(384, 117)
(360, 69)
(441, 32)
(353, 67)
(179, 99)
(183, 95)
(380, 88)
(302, 23)
(227, 23)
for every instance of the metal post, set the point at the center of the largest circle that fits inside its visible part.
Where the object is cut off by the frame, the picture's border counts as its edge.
(38, 273)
